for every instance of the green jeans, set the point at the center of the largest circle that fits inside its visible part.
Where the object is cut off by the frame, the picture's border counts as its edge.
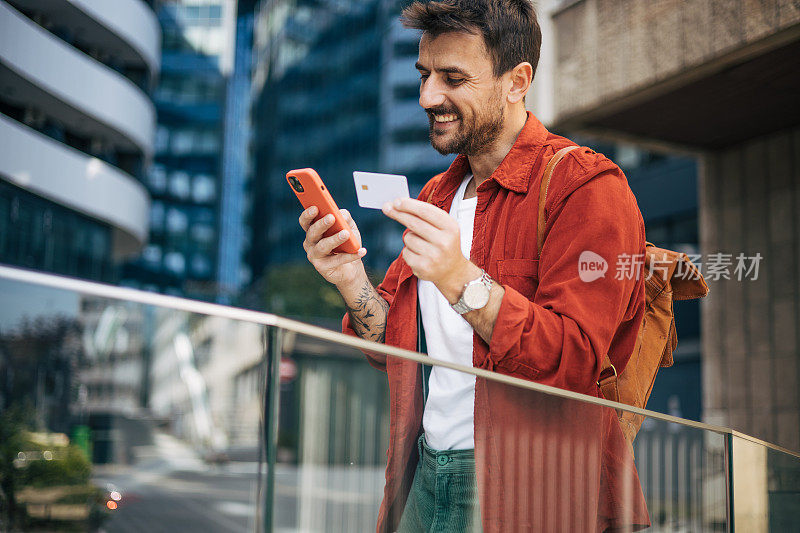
(444, 495)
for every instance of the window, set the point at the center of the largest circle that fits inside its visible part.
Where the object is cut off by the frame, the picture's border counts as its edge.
(203, 233)
(152, 254)
(158, 178)
(156, 216)
(179, 185)
(201, 265)
(176, 221)
(208, 142)
(628, 156)
(204, 189)
(175, 262)
(162, 139)
(182, 141)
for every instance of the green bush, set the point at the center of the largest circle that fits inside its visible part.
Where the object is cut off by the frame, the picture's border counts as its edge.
(69, 467)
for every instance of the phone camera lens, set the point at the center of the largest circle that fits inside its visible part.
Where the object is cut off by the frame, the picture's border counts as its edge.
(296, 185)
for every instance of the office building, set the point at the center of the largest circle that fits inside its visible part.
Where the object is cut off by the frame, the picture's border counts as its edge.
(197, 177)
(335, 89)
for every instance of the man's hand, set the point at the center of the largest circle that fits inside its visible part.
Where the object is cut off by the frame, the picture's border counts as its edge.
(433, 251)
(368, 310)
(433, 246)
(339, 269)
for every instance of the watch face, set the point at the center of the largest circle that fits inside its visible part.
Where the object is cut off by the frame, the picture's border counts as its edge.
(476, 295)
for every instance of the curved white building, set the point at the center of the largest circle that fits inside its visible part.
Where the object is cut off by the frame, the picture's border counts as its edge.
(76, 132)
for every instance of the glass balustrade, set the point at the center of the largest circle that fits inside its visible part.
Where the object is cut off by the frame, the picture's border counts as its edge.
(124, 410)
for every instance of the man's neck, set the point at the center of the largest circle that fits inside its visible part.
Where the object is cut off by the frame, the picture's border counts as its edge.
(485, 163)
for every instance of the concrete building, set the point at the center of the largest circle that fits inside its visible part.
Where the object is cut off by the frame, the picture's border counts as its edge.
(718, 80)
(76, 132)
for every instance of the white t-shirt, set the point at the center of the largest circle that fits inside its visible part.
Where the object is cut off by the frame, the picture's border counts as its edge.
(448, 419)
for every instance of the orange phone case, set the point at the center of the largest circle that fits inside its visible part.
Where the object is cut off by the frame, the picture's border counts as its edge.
(315, 193)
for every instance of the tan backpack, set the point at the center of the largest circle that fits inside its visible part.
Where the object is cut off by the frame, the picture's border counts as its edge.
(670, 276)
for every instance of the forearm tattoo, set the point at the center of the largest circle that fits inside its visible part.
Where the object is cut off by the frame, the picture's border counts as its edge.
(368, 314)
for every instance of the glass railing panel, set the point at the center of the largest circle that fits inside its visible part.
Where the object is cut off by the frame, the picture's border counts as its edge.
(766, 486)
(126, 417)
(545, 461)
(129, 411)
(682, 470)
(332, 437)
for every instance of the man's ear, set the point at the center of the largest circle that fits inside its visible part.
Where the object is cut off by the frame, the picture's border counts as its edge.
(520, 78)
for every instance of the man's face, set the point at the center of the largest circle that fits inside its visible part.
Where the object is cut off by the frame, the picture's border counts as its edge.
(458, 90)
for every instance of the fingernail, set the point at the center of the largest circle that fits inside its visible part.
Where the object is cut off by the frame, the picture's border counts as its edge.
(398, 202)
(387, 206)
(343, 234)
(329, 218)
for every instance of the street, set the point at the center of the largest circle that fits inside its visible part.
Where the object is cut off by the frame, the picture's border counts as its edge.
(169, 489)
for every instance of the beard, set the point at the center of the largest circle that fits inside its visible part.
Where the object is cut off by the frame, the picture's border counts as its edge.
(473, 138)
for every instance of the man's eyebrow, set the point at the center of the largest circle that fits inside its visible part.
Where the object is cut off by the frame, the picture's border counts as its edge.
(448, 70)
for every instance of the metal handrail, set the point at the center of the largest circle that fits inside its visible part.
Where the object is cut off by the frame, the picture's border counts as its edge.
(268, 319)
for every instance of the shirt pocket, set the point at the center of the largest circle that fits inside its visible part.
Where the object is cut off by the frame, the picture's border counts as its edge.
(520, 274)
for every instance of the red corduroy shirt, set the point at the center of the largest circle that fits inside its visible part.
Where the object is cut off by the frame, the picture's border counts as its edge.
(542, 463)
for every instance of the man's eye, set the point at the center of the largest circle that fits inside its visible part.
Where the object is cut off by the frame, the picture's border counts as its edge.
(455, 81)
(423, 77)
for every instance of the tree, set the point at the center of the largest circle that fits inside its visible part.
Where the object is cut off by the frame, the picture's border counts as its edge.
(298, 291)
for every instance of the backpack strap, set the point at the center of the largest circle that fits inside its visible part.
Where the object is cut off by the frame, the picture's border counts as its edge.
(608, 382)
(548, 173)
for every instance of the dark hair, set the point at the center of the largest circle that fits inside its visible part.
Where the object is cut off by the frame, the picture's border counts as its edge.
(509, 27)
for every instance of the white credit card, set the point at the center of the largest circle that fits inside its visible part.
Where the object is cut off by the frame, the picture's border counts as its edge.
(374, 190)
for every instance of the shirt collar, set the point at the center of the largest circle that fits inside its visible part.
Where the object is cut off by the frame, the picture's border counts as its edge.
(515, 171)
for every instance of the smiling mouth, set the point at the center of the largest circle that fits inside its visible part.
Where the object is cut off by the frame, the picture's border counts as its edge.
(444, 119)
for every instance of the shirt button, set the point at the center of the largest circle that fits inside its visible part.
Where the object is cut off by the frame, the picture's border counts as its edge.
(442, 460)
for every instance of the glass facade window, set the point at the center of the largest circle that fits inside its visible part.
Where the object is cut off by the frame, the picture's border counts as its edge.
(176, 221)
(152, 254)
(201, 265)
(182, 141)
(156, 216)
(628, 156)
(158, 178)
(175, 262)
(179, 185)
(162, 139)
(36, 233)
(208, 141)
(191, 106)
(202, 233)
(203, 189)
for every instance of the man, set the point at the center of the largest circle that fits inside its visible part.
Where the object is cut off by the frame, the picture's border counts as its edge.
(486, 299)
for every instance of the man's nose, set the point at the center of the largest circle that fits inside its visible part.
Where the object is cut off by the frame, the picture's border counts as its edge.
(430, 94)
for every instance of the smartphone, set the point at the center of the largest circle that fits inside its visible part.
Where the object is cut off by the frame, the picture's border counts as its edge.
(308, 186)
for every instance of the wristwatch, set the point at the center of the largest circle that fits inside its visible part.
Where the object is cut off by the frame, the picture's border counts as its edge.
(475, 294)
